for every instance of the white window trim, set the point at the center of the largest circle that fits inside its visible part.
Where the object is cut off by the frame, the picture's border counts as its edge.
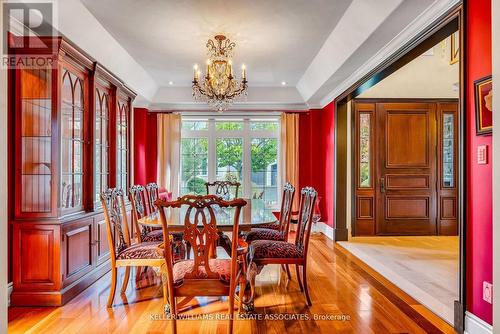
(246, 134)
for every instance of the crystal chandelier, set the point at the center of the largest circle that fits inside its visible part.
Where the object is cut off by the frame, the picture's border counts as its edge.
(219, 88)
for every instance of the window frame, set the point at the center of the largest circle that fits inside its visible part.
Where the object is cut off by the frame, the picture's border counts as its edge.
(246, 134)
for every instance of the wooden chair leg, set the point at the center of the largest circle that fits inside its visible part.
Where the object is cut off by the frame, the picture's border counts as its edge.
(125, 279)
(173, 309)
(287, 269)
(165, 291)
(306, 289)
(138, 274)
(241, 293)
(232, 289)
(112, 288)
(297, 271)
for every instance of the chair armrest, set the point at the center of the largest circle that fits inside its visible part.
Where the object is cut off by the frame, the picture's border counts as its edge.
(242, 248)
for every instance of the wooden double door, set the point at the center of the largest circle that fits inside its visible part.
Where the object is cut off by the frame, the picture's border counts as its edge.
(405, 167)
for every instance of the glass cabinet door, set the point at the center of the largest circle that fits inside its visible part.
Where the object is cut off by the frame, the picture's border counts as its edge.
(122, 113)
(101, 137)
(72, 126)
(36, 137)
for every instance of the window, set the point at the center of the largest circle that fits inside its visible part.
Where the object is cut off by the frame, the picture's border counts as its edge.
(122, 113)
(194, 165)
(72, 141)
(448, 150)
(232, 149)
(101, 142)
(365, 179)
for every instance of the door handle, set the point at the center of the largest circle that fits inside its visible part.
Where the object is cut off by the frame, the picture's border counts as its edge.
(382, 184)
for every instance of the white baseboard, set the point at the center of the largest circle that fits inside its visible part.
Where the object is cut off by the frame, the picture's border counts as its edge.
(323, 228)
(10, 287)
(475, 325)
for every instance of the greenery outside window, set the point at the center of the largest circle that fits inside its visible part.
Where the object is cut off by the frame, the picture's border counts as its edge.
(233, 149)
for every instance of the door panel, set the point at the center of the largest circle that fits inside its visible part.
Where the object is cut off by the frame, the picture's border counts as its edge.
(406, 168)
(77, 249)
(406, 137)
(404, 207)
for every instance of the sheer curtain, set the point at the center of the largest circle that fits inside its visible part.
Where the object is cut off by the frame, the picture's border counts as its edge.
(290, 153)
(169, 141)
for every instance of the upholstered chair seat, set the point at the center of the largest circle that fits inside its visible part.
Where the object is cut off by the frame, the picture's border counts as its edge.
(264, 234)
(144, 250)
(157, 235)
(272, 226)
(220, 266)
(269, 249)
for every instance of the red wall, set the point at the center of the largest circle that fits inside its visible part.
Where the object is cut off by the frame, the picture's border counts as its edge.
(479, 180)
(316, 154)
(145, 146)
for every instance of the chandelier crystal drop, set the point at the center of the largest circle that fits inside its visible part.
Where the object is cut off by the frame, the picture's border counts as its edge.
(218, 87)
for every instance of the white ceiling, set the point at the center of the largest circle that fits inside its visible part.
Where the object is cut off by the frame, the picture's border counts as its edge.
(276, 39)
(317, 46)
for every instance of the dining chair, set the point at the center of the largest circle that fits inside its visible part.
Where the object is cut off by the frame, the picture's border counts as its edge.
(277, 230)
(148, 234)
(137, 196)
(223, 189)
(153, 194)
(264, 252)
(203, 275)
(122, 252)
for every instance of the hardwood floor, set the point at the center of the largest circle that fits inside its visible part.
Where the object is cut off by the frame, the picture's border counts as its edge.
(343, 289)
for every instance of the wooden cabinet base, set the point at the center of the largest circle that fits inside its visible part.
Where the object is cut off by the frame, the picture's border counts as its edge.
(55, 260)
(58, 298)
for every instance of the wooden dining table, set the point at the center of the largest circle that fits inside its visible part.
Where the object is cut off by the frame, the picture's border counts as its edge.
(254, 214)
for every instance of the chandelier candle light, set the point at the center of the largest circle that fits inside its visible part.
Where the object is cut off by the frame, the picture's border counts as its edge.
(219, 88)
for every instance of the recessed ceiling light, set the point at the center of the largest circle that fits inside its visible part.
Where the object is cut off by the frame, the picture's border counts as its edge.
(170, 83)
(283, 83)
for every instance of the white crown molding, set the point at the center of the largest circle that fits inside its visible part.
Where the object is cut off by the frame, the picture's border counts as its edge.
(237, 106)
(475, 325)
(433, 12)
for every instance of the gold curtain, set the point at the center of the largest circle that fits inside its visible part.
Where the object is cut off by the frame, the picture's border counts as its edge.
(169, 139)
(290, 153)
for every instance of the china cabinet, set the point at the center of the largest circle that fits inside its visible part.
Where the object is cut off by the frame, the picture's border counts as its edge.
(70, 124)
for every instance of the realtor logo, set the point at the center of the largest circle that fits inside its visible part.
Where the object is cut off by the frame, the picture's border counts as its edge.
(26, 27)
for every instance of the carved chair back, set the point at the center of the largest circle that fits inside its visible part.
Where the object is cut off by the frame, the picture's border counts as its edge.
(153, 194)
(200, 230)
(224, 189)
(307, 199)
(286, 208)
(115, 216)
(137, 195)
